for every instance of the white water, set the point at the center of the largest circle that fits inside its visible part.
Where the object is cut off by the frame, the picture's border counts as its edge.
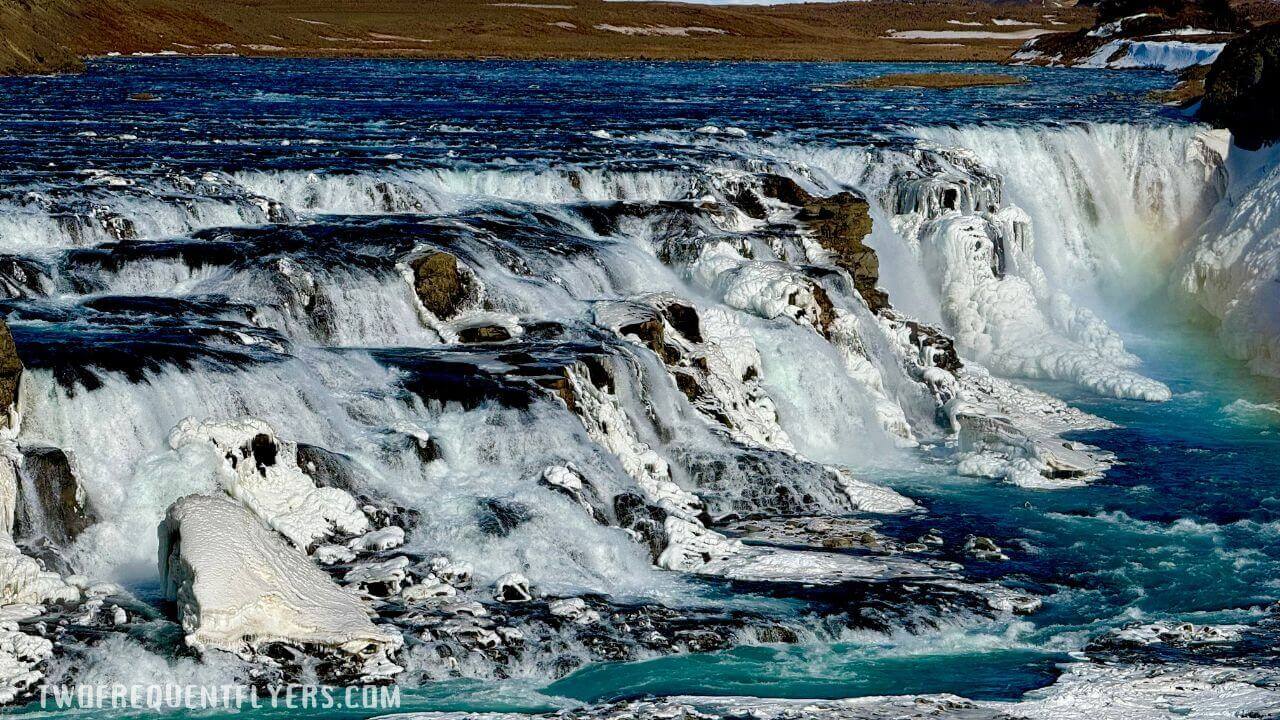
(1028, 246)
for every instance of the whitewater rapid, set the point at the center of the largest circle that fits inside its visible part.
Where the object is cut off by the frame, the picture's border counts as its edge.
(641, 395)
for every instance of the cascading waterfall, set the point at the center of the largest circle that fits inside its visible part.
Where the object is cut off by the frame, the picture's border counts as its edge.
(537, 414)
(1111, 207)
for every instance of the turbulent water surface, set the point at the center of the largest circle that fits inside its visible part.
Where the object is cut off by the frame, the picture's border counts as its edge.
(606, 343)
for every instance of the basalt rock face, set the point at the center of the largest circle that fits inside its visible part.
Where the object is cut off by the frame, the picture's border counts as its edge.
(10, 373)
(840, 223)
(1242, 86)
(440, 283)
(57, 507)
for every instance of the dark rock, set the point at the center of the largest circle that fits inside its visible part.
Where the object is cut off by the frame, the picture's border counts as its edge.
(784, 189)
(777, 634)
(561, 387)
(336, 470)
(650, 331)
(586, 495)
(1241, 90)
(684, 319)
(499, 516)
(648, 521)
(428, 450)
(10, 373)
(330, 469)
(22, 277)
(700, 641)
(936, 345)
(687, 382)
(51, 502)
(512, 588)
(826, 308)
(598, 371)
(484, 334)
(469, 379)
(441, 285)
(264, 451)
(841, 223)
(748, 202)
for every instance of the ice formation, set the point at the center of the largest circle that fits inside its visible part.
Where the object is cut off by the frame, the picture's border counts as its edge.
(20, 655)
(239, 587)
(690, 544)
(1171, 55)
(263, 473)
(1232, 269)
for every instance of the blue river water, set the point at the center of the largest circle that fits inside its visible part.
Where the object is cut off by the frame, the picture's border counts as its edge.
(229, 113)
(1186, 526)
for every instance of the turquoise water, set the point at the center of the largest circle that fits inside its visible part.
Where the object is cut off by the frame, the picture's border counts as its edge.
(1185, 528)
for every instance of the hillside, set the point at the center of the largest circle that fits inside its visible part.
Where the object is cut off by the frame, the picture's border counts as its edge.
(51, 35)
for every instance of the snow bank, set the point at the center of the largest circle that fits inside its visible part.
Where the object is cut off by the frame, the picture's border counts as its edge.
(666, 30)
(238, 585)
(965, 34)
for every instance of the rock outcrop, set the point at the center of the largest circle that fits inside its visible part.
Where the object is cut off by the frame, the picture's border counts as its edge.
(840, 223)
(1157, 34)
(440, 283)
(10, 375)
(52, 502)
(1242, 86)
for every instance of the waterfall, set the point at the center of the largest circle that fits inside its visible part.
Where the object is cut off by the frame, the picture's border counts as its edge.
(1111, 207)
(577, 384)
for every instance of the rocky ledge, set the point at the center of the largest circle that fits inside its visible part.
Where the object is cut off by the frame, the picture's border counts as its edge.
(1238, 86)
(1144, 34)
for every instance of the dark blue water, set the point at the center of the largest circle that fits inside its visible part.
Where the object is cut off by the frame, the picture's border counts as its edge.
(225, 113)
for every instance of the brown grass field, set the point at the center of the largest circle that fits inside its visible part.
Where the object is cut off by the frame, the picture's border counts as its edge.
(52, 34)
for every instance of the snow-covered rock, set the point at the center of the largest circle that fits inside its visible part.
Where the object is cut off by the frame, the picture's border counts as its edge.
(262, 471)
(1232, 270)
(20, 657)
(239, 586)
